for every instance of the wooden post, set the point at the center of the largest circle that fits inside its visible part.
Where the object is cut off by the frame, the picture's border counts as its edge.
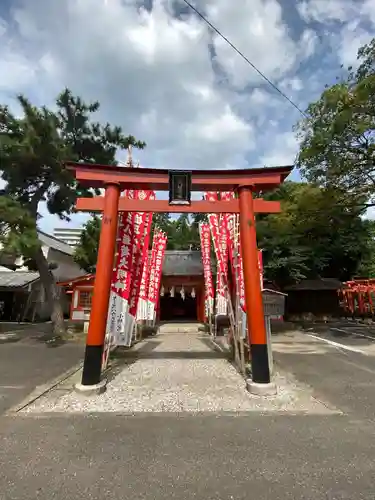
(253, 293)
(100, 301)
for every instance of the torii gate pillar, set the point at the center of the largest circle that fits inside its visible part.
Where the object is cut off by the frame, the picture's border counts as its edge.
(261, 382)
(91, 375)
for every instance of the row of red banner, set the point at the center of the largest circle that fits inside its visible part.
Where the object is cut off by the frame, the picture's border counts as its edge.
(151, 278)
(136, 275)
(226, 243)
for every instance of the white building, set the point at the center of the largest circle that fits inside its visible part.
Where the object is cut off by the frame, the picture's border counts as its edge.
(21, 295)
(69, 235)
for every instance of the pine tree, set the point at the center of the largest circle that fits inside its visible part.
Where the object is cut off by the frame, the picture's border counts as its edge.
(33, 149)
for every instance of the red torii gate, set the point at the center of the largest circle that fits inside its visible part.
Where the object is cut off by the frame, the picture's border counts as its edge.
(115, 179)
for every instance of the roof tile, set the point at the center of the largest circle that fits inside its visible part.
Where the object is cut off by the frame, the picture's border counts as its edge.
(17, 279)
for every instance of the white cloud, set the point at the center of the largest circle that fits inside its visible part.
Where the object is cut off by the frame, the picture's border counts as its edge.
(15, 70)
(258, 30)
(352, 37)
(328, 10)
(353, 18)
(293, 84)
(337, 10)
(370, 213)
(3, 27)
(154, 75)
(152, 72)
(368, 10)
(308, 43)
(283, 151)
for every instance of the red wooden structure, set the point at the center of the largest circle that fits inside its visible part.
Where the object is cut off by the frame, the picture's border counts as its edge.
(80, 292)
(115, 179)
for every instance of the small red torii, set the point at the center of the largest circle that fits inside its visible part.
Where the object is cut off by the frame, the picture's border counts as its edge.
(358, 297)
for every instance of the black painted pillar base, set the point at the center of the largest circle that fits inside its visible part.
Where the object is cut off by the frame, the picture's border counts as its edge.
(259, 364)
(92, 365)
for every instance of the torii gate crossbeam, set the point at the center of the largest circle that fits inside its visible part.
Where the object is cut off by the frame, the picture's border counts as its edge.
(115, 179)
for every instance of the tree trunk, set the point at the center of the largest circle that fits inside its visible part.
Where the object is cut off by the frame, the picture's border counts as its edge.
(52, 292)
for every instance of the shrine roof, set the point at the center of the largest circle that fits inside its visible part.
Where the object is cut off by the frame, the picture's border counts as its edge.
(17, 279)
(322, 284)
(86, 279)
(182, 263)
(176, 263)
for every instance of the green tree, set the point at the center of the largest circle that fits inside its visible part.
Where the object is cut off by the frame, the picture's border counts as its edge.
(13, 217)
(183, 234)
(338, 134)
(162, 222)
(194, 230)
(86, 252)
(17, 228)
(284, 259)
(315, 235)
(33, 149)
(366, 268)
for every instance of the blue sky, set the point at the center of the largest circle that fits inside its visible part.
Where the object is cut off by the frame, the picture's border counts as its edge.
(161, 74)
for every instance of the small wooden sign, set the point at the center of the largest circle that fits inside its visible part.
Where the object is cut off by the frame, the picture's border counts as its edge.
(179, 187)
(273, 303)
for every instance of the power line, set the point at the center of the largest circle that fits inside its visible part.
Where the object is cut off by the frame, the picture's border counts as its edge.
(244, 57)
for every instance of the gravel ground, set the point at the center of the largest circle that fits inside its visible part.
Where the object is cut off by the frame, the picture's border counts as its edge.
(180, 372)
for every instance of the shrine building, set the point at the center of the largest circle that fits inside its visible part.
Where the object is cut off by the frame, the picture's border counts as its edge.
(181, 292)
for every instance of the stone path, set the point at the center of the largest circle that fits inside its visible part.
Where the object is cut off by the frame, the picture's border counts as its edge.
(178, 372)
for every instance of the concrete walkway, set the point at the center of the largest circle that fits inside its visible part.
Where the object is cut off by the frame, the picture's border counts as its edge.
(340, 370)
(30, 364)
(284, 455)
(109, 456)
(177, 372)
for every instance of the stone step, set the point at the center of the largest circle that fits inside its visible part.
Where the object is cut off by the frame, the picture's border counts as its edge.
(179, 328)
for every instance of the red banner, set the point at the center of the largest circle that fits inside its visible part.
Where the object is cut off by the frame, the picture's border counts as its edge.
(205, 237)
(122, 273)
(155, 265)
(213, 220)
(141, 313)
(130, 238)
(145, 276)
(227, 244)
(240, 278)
(229, 222)
(155, 278)
(220, 247)
(223, 239)
(216, 238)
(151, 282)
(142, 226)
(260, 263)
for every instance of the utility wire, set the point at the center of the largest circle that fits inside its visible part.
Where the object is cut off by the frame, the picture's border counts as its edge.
(244, 57)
